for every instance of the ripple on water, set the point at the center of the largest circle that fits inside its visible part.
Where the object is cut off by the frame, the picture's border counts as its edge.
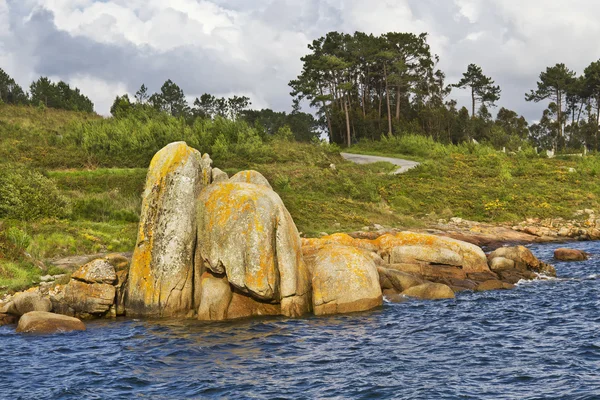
(541, 340)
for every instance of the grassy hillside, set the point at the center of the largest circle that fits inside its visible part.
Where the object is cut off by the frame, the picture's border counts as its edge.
(70, 183)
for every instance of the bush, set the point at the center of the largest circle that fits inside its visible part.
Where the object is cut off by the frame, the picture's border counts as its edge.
(28, 195)
(19, 238)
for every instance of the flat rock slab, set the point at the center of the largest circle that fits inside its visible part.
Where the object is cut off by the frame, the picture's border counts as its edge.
(405, 165)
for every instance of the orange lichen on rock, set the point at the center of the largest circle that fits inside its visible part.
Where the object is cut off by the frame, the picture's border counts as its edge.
(344, 280)
(435, 249)
(159, 281)
(245, 232)
(342, 239)
(251, 176)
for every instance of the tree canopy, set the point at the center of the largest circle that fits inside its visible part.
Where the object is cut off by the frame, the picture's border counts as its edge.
(481, 86)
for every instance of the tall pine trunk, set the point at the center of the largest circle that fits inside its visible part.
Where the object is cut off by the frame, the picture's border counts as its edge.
(387, 94)
(398, 103)
(348, 137)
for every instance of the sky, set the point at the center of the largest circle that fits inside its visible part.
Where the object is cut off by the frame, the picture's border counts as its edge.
(253, 47)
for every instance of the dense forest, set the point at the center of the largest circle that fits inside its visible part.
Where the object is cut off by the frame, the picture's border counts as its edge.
(364, 87)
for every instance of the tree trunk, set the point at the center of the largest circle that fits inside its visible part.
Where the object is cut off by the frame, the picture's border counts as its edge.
(348, 137)
(579, 112)
(398, 103)
(380, 100)
(597, 122)
(327, 116)
(473, 103)
(559, 105)
(387, 94)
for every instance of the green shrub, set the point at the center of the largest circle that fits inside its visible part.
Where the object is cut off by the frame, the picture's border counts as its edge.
(19, 238)
(28, 195)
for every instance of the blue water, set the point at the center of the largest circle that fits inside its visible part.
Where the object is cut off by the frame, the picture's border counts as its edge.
(541, 340)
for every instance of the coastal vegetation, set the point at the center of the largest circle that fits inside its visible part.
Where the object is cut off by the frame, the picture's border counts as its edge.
(89, 174)
(71, 180)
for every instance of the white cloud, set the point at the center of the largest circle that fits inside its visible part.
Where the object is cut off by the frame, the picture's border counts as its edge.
(253, 48)
(103, 93)
(469, 9)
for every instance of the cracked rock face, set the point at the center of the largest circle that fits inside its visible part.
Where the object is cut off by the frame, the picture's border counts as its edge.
(160, 280)
(246, 233)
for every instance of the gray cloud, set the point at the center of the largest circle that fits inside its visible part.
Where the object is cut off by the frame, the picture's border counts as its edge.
(253, 48)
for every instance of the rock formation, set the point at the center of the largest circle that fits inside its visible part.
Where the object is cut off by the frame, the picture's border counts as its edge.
(216, 248)
(246, 234)
(161, 273)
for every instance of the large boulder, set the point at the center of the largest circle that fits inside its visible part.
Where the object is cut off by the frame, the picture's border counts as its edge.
(409, 247)
(433, 255)
(430, 291)
(96, 271)
(246, 233)
(523, 259)
(501, 263)
(344, 280)
(160, 282)
(25, 302)
(95, 290)
(41, 322)
(564, 254)
(88, 300)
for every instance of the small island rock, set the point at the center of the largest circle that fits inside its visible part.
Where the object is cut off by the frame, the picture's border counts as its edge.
(564, 254)
(41, 322)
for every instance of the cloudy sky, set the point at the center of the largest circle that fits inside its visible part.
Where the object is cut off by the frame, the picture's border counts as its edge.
(253, 47)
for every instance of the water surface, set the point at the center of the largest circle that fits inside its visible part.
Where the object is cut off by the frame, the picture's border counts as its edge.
(541, 340)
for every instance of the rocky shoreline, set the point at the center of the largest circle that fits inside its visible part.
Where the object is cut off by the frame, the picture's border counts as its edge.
(216, 248)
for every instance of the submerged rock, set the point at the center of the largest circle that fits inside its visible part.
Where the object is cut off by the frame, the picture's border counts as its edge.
(160, 280)
(41, 322)
(493, 285)
(563, 254)
(430, 291)
(343, 281)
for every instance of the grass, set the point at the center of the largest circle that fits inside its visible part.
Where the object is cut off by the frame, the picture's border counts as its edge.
(103, 187)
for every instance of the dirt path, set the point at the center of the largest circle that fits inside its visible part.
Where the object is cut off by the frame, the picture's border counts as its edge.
(404, 165)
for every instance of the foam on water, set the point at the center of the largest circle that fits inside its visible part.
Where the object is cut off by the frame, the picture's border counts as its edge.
(541, 340)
